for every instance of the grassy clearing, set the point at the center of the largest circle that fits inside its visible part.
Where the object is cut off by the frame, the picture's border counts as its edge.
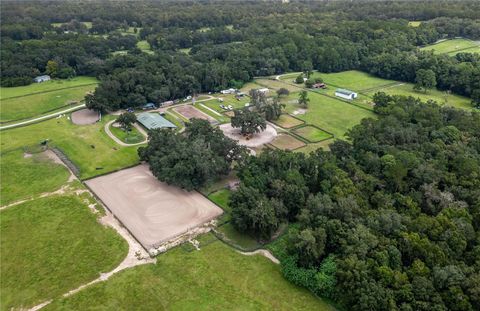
(25, 107)
(414, 23)
(50, 246)
(221, 197)
(240, 240)
(220, 118)
(325, 145)
(312, 134)
(52, 85)
(227, 100)
(287, 142)
(330, 114)
(286, 121)
(214, 278)
(274, 85)
(23, 178)
(185, 51)
(353, 80)
(175, 120)
(88, 24)
(144, 46)
(454, 46)
(129, 137)
(87, 146)
(441, 97)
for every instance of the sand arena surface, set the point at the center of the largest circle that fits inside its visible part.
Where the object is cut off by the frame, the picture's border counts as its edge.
(85, 116)
(256, 140)
(152, 211)
(190, 112)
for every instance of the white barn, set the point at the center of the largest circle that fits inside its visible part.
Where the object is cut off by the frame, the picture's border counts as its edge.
(43, 78)
(346, 94)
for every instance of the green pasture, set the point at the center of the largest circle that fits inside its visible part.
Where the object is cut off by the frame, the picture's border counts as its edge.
(311, 133)
(287, 121)
(414, 23)
(325, 145)
(353, 80)
(227, 100)
(52, 85)
(221, 197)
(453, 46)
(214, 278)
(240, 240)
(87, 146)
(441, 97)
(220, 118)
(30, 106)
(274, 85)
(330, 114)
(285, 141)
(50, 246)
(132, 136)
(24, 177)
(174, 119)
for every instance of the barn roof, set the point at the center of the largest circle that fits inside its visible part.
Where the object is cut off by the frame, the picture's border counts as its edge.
(154, 121)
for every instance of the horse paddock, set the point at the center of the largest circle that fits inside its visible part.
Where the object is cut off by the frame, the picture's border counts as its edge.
(152, 211)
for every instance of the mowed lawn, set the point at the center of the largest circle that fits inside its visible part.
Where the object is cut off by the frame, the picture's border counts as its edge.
(87, 146)
(454, 46)
(52, 85)
(331, 114)
(23, 177)
(29, 106)
(353, 80)
(50, 246)
(214, 278)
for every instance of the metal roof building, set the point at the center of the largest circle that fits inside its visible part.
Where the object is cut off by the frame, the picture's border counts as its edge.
(153, 121)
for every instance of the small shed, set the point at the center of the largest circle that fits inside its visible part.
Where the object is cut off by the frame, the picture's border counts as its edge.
(153, 121)
(43, 78)
(347, 94)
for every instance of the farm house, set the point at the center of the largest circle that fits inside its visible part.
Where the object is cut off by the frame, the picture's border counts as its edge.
(346, 94)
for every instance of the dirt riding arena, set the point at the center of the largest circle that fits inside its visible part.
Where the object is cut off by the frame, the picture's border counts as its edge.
(256, 140)
(152, 211)
(190, 112)
(85, 116)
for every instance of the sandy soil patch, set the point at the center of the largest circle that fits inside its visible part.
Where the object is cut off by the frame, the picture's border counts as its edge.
(255, 141)
(152, 211)
(85, 116)
(190, 112)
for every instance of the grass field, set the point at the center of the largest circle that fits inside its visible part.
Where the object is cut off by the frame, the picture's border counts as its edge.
(274, 85)
(50, 246)
(214, 278)
(287, 142)
(88, 147)
(144, 46)
(312, 134)
(453, 46)
(331, 114)
(176, 121)
(52, 85)
(414, 23)
(353, 80)
(129, 137)
(221, 197)
(240, 240)
(23, 178)
(312, 147)
(286, 121)
(35, 105)
(220, 118)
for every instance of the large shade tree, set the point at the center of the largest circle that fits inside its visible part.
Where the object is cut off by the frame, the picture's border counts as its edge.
(249, 122)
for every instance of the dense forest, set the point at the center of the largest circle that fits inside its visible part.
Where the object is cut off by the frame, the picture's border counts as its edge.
(206, 46)
(387, 221)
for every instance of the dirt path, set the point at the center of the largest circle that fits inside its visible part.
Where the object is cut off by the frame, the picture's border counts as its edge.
(262, 252)
(121, 143)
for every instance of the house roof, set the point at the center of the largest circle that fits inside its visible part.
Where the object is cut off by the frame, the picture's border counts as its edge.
(154, 121)
(345, 92)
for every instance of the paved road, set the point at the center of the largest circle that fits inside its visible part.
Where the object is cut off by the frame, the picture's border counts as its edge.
(45, 117)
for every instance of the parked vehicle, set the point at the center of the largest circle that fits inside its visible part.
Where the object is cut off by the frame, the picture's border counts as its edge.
(230, 107)
(223, 107)
(149, 106)
(130, 109)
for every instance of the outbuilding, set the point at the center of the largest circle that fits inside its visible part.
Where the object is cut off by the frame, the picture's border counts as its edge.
(346, 94)
(43, 78)
(153, 121)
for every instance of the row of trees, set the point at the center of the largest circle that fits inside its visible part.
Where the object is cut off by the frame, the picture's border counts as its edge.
(387, 221)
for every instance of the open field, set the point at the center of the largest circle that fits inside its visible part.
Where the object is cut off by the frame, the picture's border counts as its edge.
(312, 134)
(153, 212)
(214, 278)
(50, 246)
(414, 23)
(312, 147)
(287, 121)
(287, 142)
(144, 46)
(87, 146)
(129, 137)
(24, 177)
(221, 118)
(274, 85)
(353, 80)
(52, 85)
(406, 89)
(453, 46)
(25, 107)
(88, 24)
(330, 114)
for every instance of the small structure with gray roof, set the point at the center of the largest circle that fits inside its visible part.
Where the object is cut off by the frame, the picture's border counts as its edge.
(153, 121)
